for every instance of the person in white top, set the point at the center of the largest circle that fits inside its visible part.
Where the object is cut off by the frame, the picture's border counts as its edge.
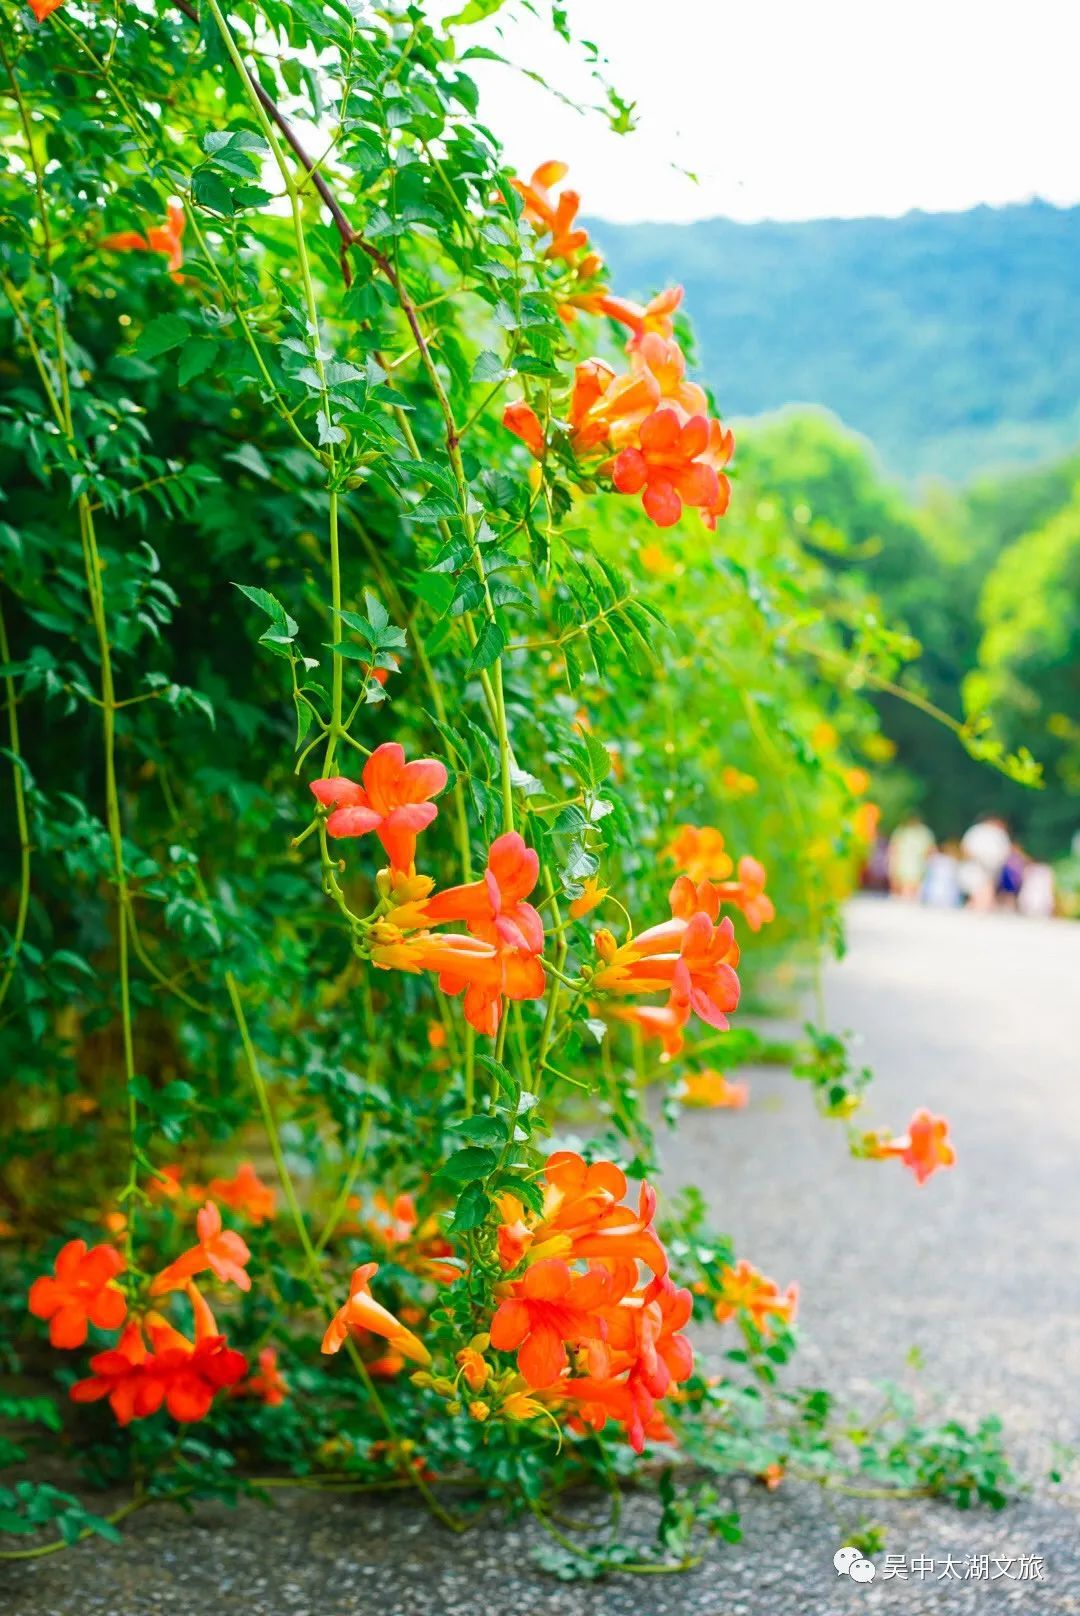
(985, 848)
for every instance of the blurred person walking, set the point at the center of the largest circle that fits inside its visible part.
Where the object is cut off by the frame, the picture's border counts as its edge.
(910, 846)
(986, 847)
(1036, 899)
(1012, 876)
(941, 884)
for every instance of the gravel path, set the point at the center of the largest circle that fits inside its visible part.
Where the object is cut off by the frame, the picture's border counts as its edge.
(975, 1016)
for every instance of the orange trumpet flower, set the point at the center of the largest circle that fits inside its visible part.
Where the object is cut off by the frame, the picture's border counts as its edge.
(713, 1090)
(267, 1383)
(608, 410)
(393, 801)
(641, 319)
(188, 1375)
(663, 1022)
(665, 362)
(221, 1251)
(748, 894)
(583, 1217)
(363, 1312)
(120, 1375)
(245, 1193)
(185, 1376)
(590, 897)
(494, 908)
(522, 420)
(546, 1309)
(745, 1289)
(924, 1148)
(595, 1400)
(666, 468)
(474, 1366)
(692, 956)
(645, 1328)
(554, 216)
(80, 1291)
(698, 850)
(164, 238)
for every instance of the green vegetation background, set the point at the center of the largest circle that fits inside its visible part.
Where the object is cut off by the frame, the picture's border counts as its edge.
(951, 344)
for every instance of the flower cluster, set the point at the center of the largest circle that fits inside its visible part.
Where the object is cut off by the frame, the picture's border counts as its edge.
(745, 1291)
(244, 1193)
(591, 1339)
(184, 1375)
(648, 429)
(152, 1364)
(498, 955)
(693, 955)
(699, 852)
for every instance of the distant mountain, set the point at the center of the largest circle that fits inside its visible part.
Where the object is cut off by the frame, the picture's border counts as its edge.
(951, 340)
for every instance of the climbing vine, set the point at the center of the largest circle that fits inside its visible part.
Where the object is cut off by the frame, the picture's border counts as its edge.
(422, 746)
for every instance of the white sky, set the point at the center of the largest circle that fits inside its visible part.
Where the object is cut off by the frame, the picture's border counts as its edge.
(796, 109)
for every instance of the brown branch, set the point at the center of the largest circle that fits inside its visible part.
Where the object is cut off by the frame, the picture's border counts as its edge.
(337, 213)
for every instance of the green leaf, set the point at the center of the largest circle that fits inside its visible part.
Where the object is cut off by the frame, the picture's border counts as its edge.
(474, 11)
(472, 1162)
(489, 645)
(215, 141)
(287, 626)
(196, 357)
(435, 589)
(249, 457)
(527, 1190)
(377, 613)
(499, 1072)
(210, 191)
(472, 1208)
(488, 367)
(167, 331)
(483, 1130)
(361, 625)
(328, 432)
(351, 652)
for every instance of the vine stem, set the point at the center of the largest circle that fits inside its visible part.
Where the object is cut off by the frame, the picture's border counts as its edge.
(641, 1568)
(312, 1258)
(114, 1519)
(62, 412)
(21, 820)
(116, 839)
(491, 684)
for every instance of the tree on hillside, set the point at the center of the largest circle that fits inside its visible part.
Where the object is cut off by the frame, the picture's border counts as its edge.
(927, 566)
(1029, 657)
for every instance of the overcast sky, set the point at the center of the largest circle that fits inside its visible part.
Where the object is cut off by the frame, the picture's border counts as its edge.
(797, 109)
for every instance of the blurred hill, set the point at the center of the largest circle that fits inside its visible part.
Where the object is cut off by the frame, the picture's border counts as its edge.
(951, 340)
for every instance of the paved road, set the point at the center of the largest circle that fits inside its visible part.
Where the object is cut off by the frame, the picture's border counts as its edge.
(977, 1017)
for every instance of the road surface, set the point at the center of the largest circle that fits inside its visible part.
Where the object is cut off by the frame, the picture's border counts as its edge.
(974, 1016)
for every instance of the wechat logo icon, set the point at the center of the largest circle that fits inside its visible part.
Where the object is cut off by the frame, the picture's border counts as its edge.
(849, 1562)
